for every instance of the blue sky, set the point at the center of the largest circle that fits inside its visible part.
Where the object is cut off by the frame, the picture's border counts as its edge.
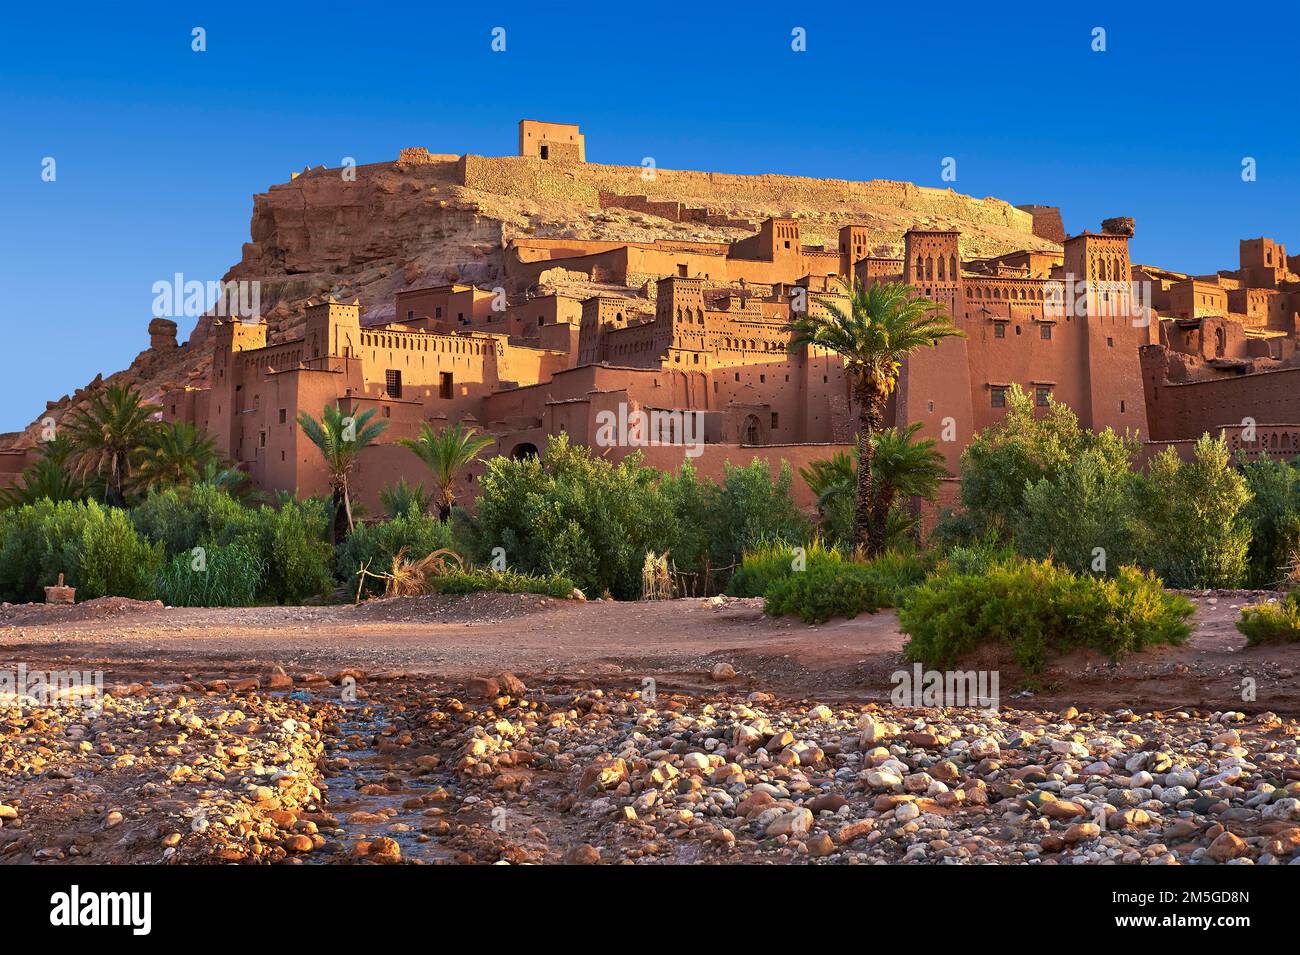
(159, 149)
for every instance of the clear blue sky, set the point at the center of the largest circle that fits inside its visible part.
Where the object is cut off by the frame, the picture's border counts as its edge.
(159, 149)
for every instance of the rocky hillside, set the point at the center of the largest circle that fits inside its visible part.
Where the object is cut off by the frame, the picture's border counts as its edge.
(372, 231)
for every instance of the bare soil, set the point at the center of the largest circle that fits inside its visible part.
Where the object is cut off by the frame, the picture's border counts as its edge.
(676, 643)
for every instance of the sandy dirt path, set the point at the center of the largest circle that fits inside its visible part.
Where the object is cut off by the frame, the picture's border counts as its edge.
(676, 643)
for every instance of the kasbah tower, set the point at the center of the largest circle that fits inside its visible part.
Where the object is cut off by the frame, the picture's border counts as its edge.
(577, 327)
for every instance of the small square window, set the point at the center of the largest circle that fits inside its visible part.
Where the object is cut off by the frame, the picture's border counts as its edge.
(1041, 395)
(999, 397)
(999, 330)
(1045, 332)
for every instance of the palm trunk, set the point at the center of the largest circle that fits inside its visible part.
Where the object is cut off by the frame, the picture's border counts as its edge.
(347, 506)
(865, 534)
(880, 507)
(336, 526)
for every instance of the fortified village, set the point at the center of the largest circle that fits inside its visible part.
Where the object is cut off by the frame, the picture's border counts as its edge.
(556, 334)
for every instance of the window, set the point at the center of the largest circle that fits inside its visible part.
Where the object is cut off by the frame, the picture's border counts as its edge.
(1045, 332)
(999, 330)
(546, 151)
(393, 383)
(284, 416)
(999, 397)
(1110, 342)
(1121, 407)
(681, 269)
(776, 419)
(437, 312)
(1041, 395)
(444, 384)
(410, 314)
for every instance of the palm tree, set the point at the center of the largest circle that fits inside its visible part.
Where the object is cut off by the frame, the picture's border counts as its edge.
(883, 324)
(340, 438)
(233, 481)
(902, 469)
(447, 453)
(49, 476)
(110, 437)
(179, 454)
(403, 497)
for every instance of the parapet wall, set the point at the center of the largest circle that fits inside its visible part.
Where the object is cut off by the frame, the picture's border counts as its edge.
(527, 177)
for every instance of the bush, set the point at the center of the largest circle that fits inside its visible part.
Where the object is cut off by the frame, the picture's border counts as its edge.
(770, 562)
(828, 590)
(114, 559)
(97, 549)
(1274, 518)
(503, 582)
(591, 520)
(896, 573)
(375, 545)
(294, 550)
(1035, 609)
(1194, 532)
(574, 515)
(1030, 444)
(749, 507)
(1082, 517)
(1272, 623)
(184, 518)
(222, 576)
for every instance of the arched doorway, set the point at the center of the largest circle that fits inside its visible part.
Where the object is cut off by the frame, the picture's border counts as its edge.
(752, 432)
(524, 450)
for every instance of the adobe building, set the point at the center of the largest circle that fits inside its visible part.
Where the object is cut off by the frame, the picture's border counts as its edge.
(1226, 360)
(580, 329)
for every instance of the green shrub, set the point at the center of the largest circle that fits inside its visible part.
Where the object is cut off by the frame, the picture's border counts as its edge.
(218, 576)
(769, 562)
(896, 573)
(375, 545)
(573, 514)
(1274, 518)
(977, 556)
(1036, 609)
(749, 507)
(183, 518)
(294, 550)
(1082, 517)
(97, 549)
(828, 590)
(1193, 529)
(1028, 445)
(1272, 623)
(114, 559)
(505, 582)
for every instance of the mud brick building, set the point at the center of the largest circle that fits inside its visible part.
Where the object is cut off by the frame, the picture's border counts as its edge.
(579, 326)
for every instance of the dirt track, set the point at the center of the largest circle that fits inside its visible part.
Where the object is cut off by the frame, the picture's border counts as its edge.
(676, 643)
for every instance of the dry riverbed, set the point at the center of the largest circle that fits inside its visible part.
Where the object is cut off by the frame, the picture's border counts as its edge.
(390, 734)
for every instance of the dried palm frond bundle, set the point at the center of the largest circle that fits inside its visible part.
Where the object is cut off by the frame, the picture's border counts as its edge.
(656, 578)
